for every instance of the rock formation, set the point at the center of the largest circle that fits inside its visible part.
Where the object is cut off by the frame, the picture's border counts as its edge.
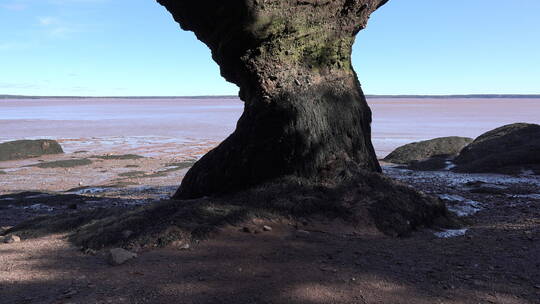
(439, 148)
(21, 149)
(513, 149)
(305, 113)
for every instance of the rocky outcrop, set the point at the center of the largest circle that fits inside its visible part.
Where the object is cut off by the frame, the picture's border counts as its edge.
(512, 149)
(439, 149)
(21, 149)
(305, 113)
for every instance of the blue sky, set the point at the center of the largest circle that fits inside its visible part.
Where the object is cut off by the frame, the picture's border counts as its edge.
(133, 47)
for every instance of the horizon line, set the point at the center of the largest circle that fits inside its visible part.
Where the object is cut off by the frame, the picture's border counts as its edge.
(10, 96)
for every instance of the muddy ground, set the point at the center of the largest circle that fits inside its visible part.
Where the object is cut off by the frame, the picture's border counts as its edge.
(493, 258)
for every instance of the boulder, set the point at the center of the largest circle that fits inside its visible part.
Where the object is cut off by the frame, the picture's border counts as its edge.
(21, 149)
(119, 256)
(423, 150)
(510, 149)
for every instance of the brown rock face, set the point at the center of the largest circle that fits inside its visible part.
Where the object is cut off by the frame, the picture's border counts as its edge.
(305, 113)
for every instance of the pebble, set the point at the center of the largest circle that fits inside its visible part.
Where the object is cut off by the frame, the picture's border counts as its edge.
(179, 244)
(11, 239)
(267, 228)
(302, 233)
(70, 293)
(119, 256)
(89, 251)
(126, 233)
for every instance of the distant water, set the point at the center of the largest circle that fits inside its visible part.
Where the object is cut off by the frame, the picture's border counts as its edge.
(139, 122)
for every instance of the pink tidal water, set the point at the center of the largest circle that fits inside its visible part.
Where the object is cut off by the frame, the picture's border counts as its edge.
(188, 120)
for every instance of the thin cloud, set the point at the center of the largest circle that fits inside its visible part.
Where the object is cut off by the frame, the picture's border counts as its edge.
(62, 2)
(57, 28)
(46, 21)
(11, 46)
(4, 85)
(14, 6)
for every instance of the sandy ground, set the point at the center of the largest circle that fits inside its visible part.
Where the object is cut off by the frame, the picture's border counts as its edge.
(495, 259)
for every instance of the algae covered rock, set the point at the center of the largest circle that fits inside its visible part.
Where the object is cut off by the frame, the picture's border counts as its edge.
(21, 149)
(513, 148)
(440, 148)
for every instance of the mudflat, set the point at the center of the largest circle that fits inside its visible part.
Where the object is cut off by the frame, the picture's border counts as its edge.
(112, 124)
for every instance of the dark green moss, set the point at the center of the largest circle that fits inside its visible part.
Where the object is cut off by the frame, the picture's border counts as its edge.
(119, 157)
(69, 163)
(175, 167)
(132, 174)
(181, 165)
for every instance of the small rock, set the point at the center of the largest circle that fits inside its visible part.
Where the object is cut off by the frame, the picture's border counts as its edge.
(479, 283)
(302, 233)
(89, 251)
(119, 256)
(70, 293)
(126, 233)
(267, 228)
(179, 244)
(12, 239)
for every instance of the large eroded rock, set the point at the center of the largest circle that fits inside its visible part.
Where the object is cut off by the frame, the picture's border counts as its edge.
(305, 113)
(21, 149)
(438, 148)
(513, 148)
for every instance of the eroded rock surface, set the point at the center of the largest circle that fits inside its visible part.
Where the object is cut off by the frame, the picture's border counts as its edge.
(513, 148)
(305, 113)
(21, 149)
